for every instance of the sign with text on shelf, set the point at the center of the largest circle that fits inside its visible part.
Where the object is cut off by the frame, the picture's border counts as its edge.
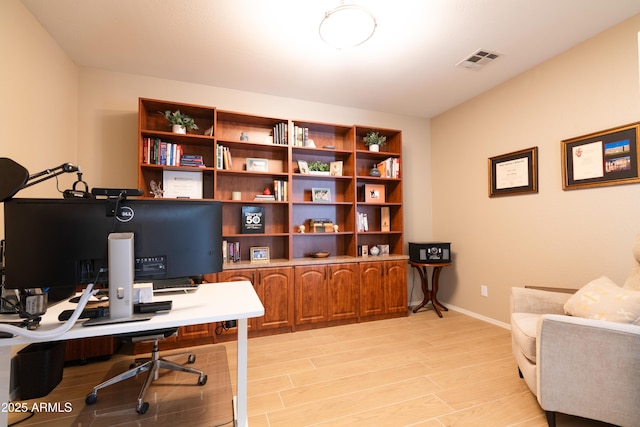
(253, 220)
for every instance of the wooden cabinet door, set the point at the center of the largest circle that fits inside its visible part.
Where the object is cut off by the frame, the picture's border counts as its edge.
(192, 332)
(372, 293)
(311, 294)
(275, 289)
(343, 291)
(395, 286)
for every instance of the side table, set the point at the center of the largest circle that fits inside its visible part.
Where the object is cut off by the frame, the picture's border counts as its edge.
(430, 295)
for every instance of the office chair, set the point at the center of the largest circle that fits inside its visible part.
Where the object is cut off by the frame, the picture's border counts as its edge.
(152, 366)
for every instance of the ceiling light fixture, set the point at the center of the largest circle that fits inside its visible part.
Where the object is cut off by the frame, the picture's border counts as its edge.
(348, 25)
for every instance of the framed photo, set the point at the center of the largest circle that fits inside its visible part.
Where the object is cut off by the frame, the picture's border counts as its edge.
(335, 168)
(608, 157)
(514, 173)
(374, 193)
(259, 254)
(303, 166)
(257, 165)
(321, 195)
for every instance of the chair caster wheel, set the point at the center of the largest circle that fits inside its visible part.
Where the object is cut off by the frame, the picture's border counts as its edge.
(191, 358)
(202, 380)
(91, 398)
(142, 409)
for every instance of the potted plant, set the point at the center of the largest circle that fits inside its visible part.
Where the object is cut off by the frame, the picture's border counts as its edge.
(374, 141)
(318, 168)
(180, 123)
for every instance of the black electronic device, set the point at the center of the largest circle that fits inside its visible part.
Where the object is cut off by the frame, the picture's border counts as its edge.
(434, 252)
(61, 243)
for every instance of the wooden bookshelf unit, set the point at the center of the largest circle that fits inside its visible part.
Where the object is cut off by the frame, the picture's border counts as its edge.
(245, 158)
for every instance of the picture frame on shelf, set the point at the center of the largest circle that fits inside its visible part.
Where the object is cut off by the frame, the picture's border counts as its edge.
(257, 165)
(514, 173)
(374, 193)
(321, 195)
(303, 167)
(603, 158)
(259, 254)
(335, 168)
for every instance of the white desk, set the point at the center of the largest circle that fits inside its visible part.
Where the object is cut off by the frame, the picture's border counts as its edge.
(213, 302)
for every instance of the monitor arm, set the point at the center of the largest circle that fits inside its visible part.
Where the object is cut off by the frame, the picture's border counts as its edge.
(50, 173)
(14, 177)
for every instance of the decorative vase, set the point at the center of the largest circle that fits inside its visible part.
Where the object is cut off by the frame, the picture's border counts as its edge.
(374, 147)
(178, 129)
(374, 172)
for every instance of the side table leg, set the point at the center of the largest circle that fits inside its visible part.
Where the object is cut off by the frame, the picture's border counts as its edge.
(434, 283)
(424, 278)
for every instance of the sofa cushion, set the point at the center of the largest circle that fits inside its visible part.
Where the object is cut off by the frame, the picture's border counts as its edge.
(523, 332)
(602, 299)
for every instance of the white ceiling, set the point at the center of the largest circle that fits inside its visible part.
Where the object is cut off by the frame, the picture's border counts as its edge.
(273, 47)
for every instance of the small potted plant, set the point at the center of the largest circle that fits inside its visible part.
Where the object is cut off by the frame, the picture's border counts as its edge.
(374, 141)
(180, 123)
(318, 168)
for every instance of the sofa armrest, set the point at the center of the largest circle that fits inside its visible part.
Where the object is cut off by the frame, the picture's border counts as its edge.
(526, 300)
(589, 368)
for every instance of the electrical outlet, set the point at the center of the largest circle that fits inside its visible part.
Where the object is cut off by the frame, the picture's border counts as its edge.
(484, 291)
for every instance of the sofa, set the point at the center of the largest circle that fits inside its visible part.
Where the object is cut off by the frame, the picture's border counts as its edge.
(579, 353)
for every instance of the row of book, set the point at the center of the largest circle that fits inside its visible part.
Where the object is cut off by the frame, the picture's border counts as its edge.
(301, 136)
(389, 168)
(223, 157)
(280, 193)
(158, 152)
(230, 251)
(281, 133)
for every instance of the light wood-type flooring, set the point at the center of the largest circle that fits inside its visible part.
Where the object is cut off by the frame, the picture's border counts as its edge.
(415, 371)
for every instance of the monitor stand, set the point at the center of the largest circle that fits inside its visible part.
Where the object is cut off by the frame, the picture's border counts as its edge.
(121, 273)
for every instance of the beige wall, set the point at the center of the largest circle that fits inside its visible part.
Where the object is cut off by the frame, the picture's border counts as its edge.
(88, 116)
(555, 237)
(39, 98)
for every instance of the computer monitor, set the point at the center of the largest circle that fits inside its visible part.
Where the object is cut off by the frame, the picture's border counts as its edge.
(61, 243)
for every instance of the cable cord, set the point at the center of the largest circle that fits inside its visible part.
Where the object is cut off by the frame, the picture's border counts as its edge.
(54, 333)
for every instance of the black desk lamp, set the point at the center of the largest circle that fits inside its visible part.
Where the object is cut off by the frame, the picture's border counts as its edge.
(14, 177)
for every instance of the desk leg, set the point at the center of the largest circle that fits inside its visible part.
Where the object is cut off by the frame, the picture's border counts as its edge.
(5, 378)
(242, 373)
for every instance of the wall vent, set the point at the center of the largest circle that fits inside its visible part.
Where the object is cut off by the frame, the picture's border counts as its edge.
(478, 59)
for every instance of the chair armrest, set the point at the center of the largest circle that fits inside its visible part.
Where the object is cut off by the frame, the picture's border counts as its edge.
(589, 368)
(526, 300)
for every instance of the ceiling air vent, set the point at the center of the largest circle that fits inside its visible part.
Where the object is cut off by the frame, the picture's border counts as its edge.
(478, 59)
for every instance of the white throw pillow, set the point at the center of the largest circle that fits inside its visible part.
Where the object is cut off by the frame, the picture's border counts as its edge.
(602, 299)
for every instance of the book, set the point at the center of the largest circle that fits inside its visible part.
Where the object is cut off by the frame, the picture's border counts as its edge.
(253, 220)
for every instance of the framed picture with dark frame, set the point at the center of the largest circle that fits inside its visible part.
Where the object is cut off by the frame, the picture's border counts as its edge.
(514, 173)
(603, 158)
(259, 254)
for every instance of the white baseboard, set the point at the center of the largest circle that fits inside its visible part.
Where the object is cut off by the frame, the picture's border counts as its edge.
(472, 314)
